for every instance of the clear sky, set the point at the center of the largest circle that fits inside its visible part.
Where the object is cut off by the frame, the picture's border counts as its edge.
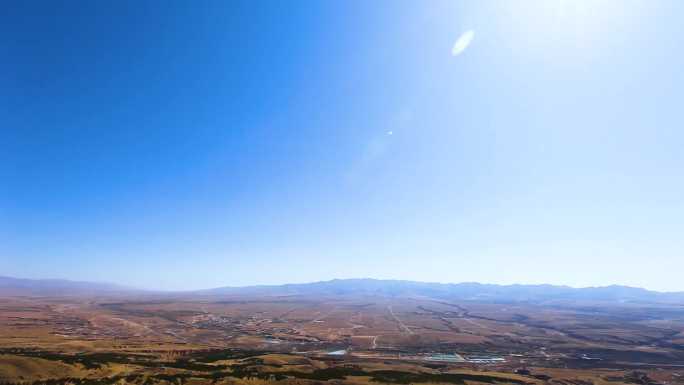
(183, 144)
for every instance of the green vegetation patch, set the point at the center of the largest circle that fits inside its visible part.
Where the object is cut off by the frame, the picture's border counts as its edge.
(222, 354)
(398, 377)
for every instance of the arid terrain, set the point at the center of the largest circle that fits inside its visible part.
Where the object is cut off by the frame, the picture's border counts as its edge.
(261, 336)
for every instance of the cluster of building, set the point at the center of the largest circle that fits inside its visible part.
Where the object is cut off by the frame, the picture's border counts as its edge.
(455, 357)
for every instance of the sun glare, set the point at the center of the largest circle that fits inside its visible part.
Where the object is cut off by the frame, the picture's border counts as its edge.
(563, 27)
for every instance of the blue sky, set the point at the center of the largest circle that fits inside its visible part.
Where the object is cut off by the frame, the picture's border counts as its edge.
(183, 145)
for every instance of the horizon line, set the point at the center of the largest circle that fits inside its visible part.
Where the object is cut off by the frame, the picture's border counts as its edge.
(133, 288)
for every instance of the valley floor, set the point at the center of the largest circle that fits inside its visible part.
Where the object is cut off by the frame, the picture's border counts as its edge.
(342, 340)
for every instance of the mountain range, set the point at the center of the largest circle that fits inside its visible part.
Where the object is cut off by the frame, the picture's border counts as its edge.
(358, 287)
(10, 286)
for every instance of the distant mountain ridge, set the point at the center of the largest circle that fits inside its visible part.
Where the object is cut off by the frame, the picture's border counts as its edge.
(10, 286)
(462, 291)
(359, 286)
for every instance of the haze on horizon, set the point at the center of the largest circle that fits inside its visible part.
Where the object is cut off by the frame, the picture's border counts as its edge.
(190, 146)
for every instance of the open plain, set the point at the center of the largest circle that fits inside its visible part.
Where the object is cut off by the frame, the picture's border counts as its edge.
(350, 337)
